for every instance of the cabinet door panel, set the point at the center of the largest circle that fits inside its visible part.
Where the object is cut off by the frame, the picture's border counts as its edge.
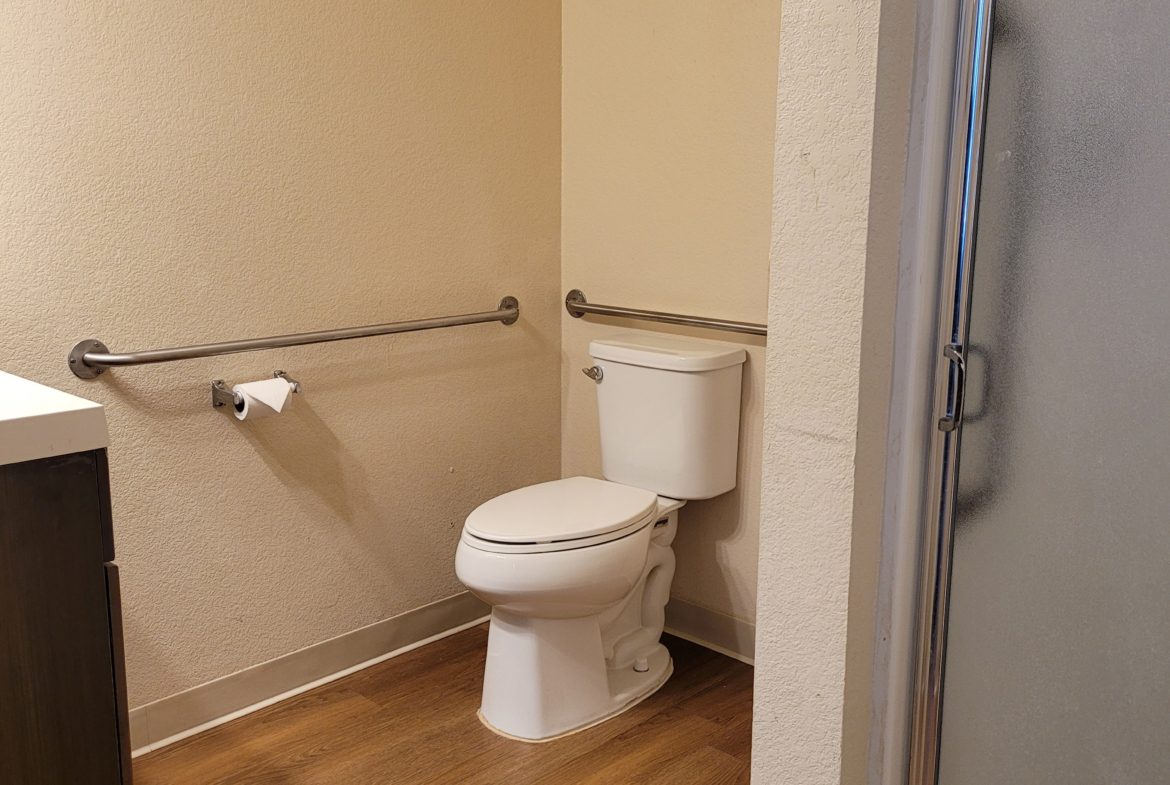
(58, 721)
(114, 603)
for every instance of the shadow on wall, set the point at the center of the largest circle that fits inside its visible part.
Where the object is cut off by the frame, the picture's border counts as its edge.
(311, 461)
(726, 517)
(300, 448)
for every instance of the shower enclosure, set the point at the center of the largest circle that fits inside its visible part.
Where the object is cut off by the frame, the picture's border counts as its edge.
(1044, 644)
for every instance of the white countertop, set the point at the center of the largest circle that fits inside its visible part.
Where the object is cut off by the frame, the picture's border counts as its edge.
(39, 422)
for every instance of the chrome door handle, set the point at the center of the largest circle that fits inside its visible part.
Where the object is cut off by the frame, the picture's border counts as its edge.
(954, 418)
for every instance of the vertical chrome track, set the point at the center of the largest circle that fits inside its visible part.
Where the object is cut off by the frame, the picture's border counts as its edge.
(972, 65)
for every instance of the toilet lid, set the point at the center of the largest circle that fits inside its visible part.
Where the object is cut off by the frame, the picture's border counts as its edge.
(569, 509)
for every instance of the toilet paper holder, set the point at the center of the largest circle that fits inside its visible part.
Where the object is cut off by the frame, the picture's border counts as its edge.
(222, 395)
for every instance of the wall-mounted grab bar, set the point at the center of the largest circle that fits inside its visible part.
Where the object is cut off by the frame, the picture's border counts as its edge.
(91, 357)
(578, 306)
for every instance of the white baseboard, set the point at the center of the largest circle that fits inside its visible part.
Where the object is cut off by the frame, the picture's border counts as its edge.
(186, 713)
(716, 631)
(175, 717)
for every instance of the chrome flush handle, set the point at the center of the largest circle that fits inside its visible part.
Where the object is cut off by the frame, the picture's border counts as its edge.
(953, 419)
(594, 372)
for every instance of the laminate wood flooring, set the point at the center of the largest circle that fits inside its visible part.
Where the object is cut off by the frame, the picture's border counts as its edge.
(411, 721)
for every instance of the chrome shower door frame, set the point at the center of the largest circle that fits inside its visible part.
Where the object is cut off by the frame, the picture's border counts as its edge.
(956, 260)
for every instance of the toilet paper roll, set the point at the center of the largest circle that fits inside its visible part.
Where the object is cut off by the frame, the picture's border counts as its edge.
(261, 399)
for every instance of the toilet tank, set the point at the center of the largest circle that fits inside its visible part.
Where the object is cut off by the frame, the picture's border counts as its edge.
(669, 413)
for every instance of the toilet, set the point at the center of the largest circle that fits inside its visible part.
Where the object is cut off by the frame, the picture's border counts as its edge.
(578, 571)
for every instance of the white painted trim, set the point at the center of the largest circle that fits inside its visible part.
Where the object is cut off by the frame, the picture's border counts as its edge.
(188, 710)
(713, 630)
(712, 646)
(186, 713)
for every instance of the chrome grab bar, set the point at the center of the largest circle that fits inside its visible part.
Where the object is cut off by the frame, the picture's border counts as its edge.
(578, 306)
(90, 358)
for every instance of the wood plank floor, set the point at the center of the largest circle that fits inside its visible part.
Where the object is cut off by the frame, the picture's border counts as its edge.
(412, 720)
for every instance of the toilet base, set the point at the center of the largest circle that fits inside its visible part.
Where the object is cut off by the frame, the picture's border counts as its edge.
(548, 678)
(641, 695)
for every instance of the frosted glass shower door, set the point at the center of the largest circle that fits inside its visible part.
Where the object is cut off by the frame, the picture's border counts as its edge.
(1057, 666)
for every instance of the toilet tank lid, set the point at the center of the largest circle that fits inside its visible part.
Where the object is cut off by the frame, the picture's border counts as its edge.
(568, 509)
(667, 352)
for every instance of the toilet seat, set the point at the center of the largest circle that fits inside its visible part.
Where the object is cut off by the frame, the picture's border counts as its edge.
(576, 512)
(550, 547)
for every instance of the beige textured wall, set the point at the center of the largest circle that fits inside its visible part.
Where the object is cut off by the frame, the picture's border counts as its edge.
(178, 172)
(825, 124)
(668, 121)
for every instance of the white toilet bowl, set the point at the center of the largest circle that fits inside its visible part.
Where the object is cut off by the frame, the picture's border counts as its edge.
(578, 573)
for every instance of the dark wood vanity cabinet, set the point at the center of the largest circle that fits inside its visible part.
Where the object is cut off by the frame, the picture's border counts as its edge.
(63, 714)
